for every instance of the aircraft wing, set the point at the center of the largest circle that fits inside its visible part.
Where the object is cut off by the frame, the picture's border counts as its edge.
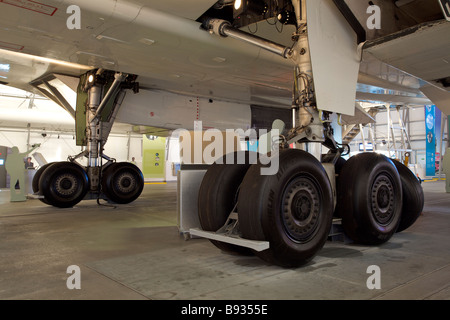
(162, 43)
(422, 51)
(157, 40)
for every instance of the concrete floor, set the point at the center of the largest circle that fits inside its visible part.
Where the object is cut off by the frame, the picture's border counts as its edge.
(135, 252)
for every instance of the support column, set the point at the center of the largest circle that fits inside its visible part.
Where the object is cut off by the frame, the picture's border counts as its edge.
(448, 132)
(388, 130)
(441, 145)
(361, 130)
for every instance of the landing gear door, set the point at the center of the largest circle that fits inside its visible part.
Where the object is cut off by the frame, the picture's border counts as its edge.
(334, 58)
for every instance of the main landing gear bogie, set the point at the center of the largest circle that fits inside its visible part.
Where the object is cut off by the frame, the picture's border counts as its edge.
(65, 184)
(293, 210)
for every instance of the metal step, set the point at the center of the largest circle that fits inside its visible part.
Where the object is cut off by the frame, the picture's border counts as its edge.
(336, 235)
(232, 239)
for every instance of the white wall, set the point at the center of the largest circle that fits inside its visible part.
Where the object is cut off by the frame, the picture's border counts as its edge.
(173, 157)
(58, 146)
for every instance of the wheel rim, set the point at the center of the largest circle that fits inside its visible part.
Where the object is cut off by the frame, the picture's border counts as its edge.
(125, 182)
(383, 199)
(301, 209)
(66, 185)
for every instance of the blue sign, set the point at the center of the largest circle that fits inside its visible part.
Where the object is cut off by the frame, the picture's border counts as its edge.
(252, 145)
(430, 120)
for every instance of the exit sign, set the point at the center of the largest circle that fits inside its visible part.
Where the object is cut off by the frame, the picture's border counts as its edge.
(445, 5)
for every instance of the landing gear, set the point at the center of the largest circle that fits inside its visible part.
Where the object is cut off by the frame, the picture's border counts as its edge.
(122, 182)
(292, 209)
(369, 198)
(63, 184)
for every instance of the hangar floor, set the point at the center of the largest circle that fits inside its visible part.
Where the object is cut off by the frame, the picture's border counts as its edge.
(136, 252)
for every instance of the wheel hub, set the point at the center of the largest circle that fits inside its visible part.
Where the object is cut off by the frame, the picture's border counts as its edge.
(300, 209)
(301, 206)
(383, 199)
(126, 182)
(66, 184)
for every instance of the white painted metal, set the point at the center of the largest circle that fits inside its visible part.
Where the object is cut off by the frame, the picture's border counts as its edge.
(161, 42)
(189, 182)
(391, 99)
(20, 117)
(334, 57)
(166, 50)
(397, 144)
(439, 97)
(360, 116)
(172, 111)
(424, 53)
(361, 130)
(252, 244)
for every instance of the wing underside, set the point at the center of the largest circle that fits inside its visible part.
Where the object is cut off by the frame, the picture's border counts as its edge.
(167, 49)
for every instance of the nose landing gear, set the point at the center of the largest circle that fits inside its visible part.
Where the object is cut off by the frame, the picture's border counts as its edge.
(64, 184)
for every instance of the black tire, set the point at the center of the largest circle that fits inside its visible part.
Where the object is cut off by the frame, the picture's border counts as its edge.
(291, 209)
(413, 197)
(122, 182)
(63, 184)
(370, 198)
(218, 195)
(36, 178)
(337, 169)
(339, 165)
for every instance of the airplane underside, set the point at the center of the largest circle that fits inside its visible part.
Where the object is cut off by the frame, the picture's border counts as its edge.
(292, 209)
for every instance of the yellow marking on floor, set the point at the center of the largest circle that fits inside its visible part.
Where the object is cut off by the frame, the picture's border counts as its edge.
(434, 179)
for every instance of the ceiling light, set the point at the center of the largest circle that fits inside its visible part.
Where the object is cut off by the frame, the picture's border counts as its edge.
(237, 4)
(287, 16)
